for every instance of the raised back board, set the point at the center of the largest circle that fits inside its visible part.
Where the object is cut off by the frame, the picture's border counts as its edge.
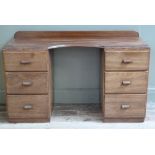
(74, 34)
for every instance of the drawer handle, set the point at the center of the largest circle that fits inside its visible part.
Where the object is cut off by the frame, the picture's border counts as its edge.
(124, 61)
(24, 62)
(126, 83)
(27, 107)
(125, 106)
(27, 83)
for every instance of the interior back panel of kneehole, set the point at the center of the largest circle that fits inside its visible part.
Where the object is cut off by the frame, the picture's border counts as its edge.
(77, 78)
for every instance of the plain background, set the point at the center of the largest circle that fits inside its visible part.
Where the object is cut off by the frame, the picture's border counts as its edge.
(76, 70)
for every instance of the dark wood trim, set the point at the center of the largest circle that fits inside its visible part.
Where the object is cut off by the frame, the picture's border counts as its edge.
(119, 120)
(29, 120)
(74, 34)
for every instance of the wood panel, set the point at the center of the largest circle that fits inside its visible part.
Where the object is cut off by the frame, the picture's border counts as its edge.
(126, 59)
(27, 82)
(26, 61)
(39, 106)
(125, 105)
(126, 82)
(102, 77)
(74, 34)
(43, 40)
(51, 84)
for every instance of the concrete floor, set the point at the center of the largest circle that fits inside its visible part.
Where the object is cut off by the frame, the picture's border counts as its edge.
(84, 116)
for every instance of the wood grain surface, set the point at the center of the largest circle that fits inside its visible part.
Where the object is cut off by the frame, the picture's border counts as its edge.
(39, 82)
(126, 59)
(74, 34)
(114, 82)
(40, 40)
(40, 108)
(26, 61)
(136, 105)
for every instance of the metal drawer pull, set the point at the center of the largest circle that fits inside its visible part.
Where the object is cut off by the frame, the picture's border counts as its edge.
(125, 83)
(27, 107)
(27, 83)
(24, 62)
(125, 106)
(126, 61)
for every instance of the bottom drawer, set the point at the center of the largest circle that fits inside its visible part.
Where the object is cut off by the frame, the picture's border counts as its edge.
(28, 107)
(122, 106)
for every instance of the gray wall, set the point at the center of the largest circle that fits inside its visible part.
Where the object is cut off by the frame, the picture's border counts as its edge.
(76, 70)
(76, 75)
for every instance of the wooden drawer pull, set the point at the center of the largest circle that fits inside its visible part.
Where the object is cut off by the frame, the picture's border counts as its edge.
(27, 83)
(126, 83)
(125, 61)
(24, 62)
(125, 106)
(27, 107)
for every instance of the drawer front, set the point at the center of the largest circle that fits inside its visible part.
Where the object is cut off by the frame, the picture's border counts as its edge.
(27, 82)
(26, 61)
(126, 82)
(125, 105)
(126, 59)
(28, 106)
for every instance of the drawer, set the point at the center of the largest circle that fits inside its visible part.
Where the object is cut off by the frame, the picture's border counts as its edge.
(28, 106)
(125, 106)
(26, 61)
(126, 82)
(132, 59)
(27, 82)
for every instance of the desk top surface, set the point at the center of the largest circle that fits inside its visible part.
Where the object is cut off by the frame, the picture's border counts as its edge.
(44, 40)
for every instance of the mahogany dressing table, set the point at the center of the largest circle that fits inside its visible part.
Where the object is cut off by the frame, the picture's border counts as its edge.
(28, 73)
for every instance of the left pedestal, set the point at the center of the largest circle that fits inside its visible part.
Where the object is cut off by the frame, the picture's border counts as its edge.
(28, 85)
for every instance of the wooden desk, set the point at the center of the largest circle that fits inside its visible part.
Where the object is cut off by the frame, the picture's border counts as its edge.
(124, 73)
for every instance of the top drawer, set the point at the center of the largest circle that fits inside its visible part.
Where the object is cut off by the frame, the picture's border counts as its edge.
(26, 61)
(126, 59)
